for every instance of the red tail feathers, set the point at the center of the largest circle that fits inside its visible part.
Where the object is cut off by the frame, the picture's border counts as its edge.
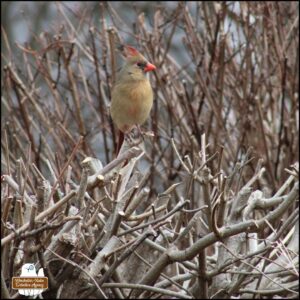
(120, 141)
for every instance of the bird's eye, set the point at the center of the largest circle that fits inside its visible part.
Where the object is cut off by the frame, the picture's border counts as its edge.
(140, 64)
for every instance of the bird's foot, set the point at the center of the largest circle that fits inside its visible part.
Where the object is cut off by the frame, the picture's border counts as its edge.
(142, 133)
(149, 133)
(136, 136)
(132, 139)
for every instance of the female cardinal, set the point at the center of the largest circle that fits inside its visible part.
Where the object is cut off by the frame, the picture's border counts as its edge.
(132, 95)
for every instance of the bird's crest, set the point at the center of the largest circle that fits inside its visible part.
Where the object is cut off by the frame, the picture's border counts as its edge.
(130, 51)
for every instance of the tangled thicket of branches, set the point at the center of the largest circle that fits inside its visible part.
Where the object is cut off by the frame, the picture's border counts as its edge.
(207, 206)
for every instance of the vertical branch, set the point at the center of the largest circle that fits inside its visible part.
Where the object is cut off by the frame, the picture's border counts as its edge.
(282, 108)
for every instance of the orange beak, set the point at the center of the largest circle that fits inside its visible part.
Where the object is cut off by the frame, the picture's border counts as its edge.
(149, 67)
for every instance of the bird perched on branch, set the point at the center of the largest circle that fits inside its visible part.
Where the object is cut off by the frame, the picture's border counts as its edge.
(132, 95)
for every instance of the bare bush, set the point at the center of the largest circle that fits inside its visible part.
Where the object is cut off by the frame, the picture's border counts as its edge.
(207, 205)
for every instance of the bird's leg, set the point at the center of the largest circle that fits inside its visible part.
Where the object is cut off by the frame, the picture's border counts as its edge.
(131, 137)
(135, 138)
(128, 137)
